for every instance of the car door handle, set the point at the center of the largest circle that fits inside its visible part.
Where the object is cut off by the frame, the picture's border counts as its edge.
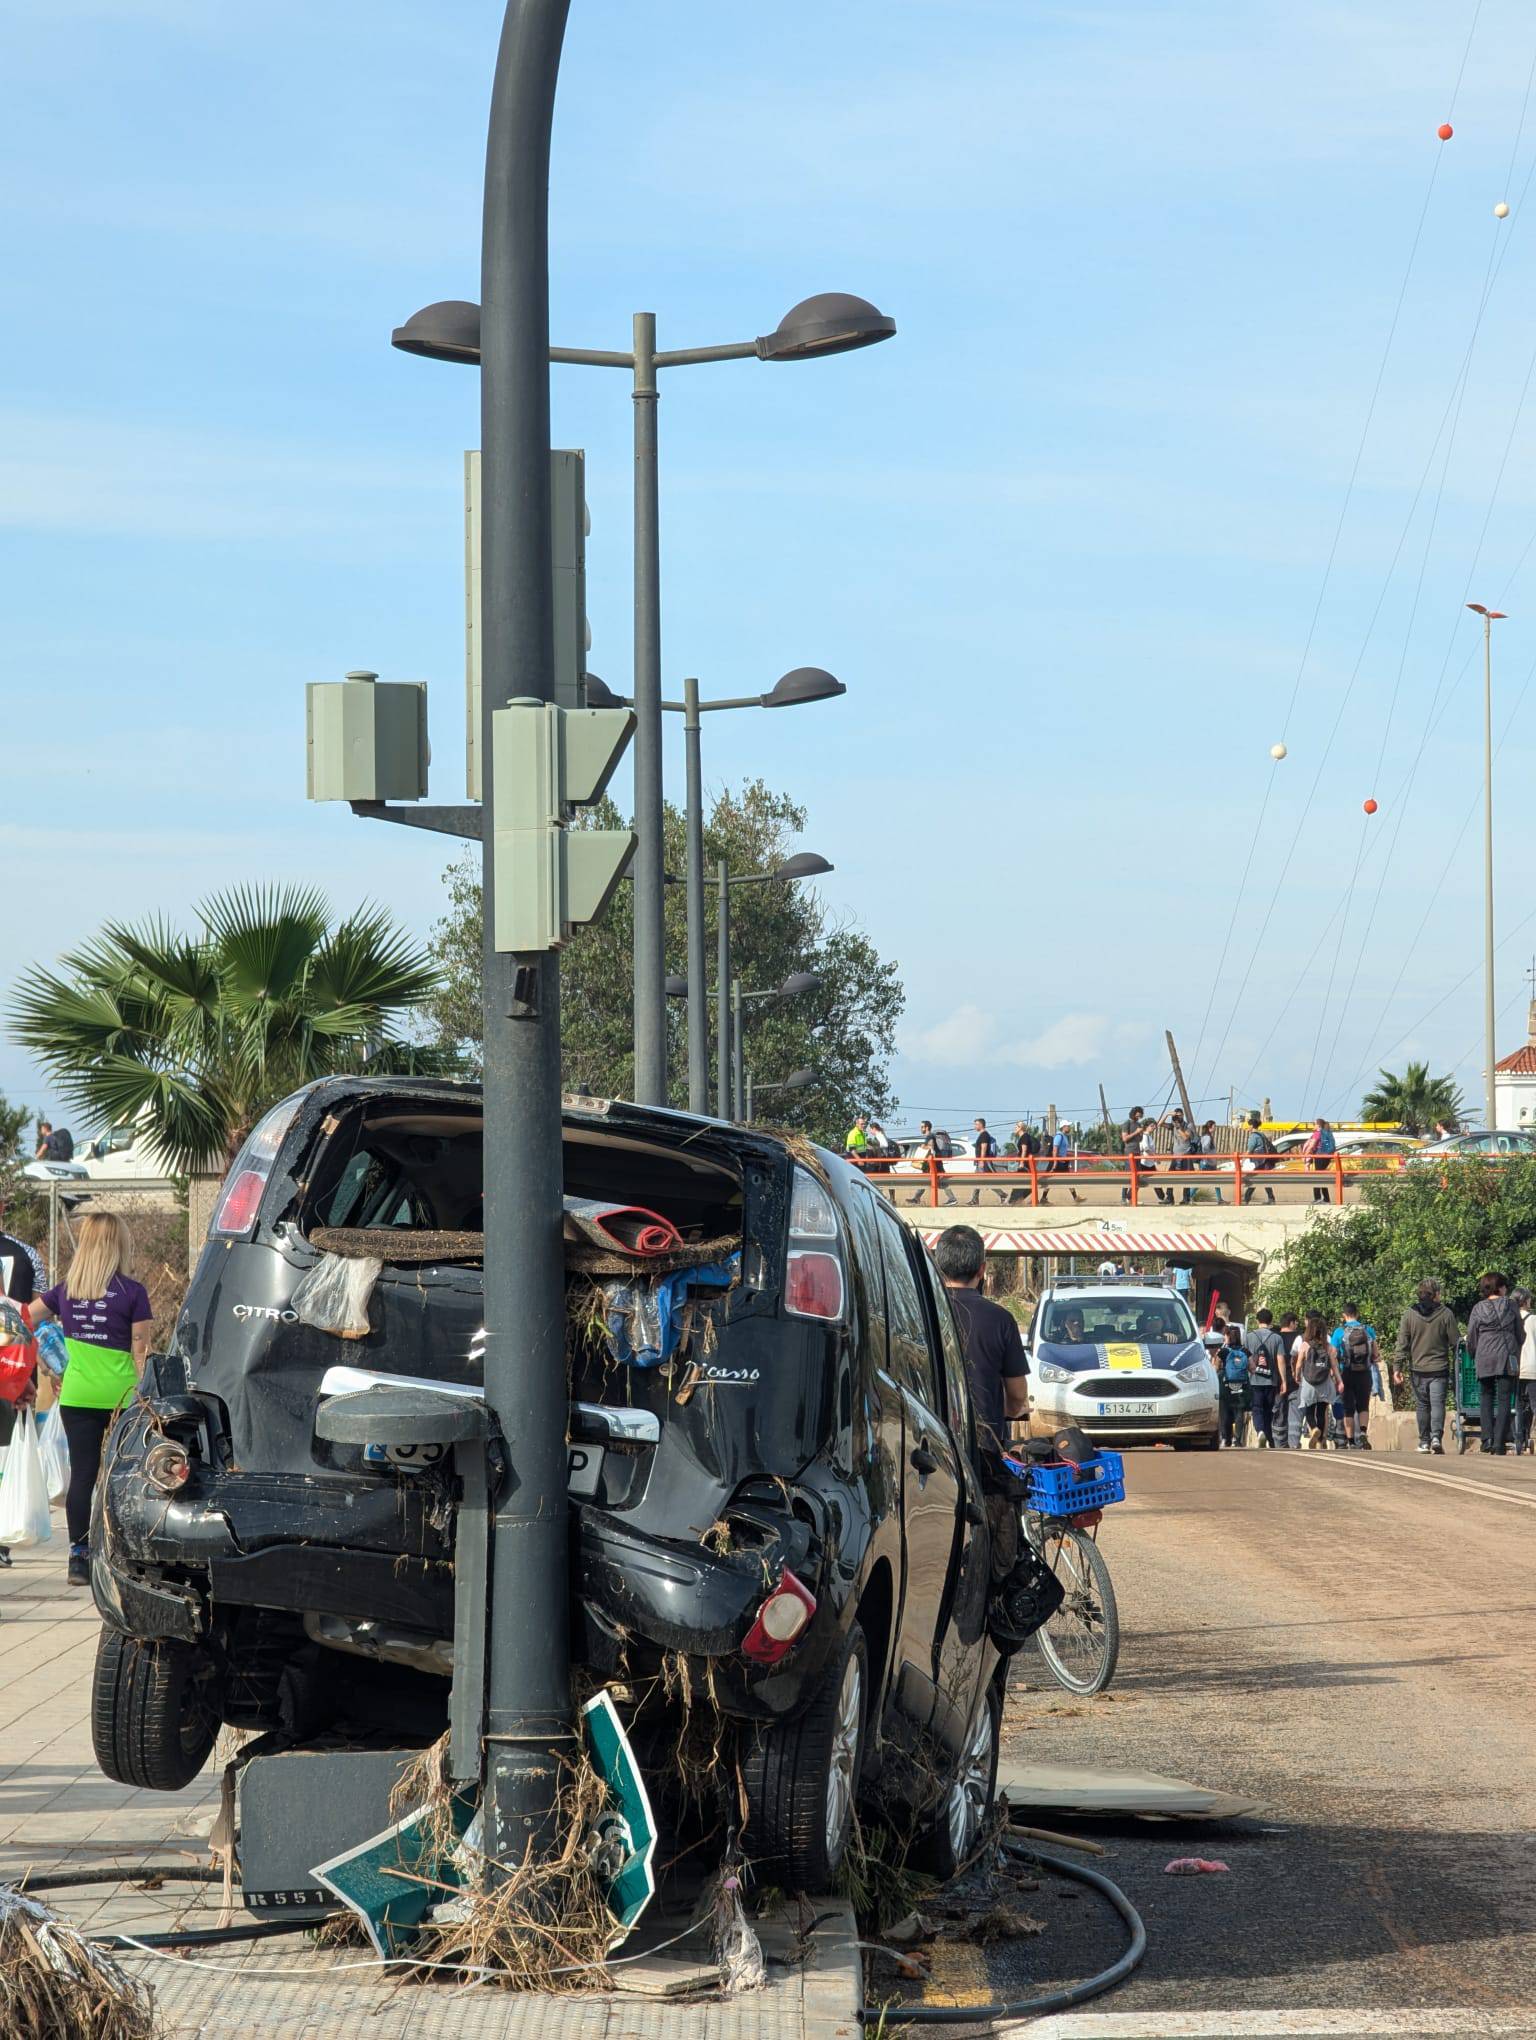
(923, 1461)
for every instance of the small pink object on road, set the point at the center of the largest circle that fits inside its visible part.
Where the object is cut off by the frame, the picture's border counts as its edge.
(1193, 1866)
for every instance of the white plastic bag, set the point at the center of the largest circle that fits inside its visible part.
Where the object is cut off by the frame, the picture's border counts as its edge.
(54, 1447)
(24, 1489)
(333, 1296)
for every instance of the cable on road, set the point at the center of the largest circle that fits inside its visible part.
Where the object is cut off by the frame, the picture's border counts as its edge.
(1050, 2001)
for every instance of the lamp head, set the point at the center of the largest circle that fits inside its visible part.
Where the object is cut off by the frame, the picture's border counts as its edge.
(798, 982)
(831, 323)
(449, 331)
(677, 988)
(800, 1080)
(600, 694)
(804, 864)
(804, 683)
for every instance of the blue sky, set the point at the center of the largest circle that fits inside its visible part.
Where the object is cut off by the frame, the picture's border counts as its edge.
(1062, 538)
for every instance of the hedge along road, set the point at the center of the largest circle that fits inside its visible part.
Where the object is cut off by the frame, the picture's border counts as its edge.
(1353, 1641)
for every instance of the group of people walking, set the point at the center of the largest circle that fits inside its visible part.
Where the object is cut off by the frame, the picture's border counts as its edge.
(1299, 1380)
(1309, 1385)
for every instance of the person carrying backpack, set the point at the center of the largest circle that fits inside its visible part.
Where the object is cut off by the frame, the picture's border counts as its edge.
(1360, 1371)
(1266, 1362)
(1317, 1367)
(1319, 1151)
(1257, 1146)
(1427, 1338)
(1232, 1376)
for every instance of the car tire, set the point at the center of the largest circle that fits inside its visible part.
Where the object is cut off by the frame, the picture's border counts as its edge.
(949, 1838)
(154, 1710)
(801, 1778)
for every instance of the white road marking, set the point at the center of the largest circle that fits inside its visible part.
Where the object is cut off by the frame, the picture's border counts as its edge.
(1260, 2025)
(1449, 1480)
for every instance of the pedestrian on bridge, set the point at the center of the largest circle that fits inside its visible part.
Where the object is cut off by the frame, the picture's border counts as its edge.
(1427, 1338)
(1494, 1338)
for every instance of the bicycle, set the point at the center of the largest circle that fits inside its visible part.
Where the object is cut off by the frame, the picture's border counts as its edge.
(1081, 1641)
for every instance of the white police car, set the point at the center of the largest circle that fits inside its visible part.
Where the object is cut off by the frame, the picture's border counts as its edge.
(1122, 1357)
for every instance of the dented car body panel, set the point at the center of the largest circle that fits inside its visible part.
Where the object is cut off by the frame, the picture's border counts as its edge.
(780, 1442)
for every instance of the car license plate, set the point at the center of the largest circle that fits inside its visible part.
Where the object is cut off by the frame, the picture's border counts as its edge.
(584, 1470)
(1122, 1409)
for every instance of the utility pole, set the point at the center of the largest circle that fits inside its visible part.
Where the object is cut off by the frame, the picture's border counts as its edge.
(1490, 1049)
(1178, 1078)
(1109, 1124)
(528, 1692)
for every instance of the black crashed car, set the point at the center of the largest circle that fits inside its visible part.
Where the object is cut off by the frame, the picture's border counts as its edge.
(790, 1512)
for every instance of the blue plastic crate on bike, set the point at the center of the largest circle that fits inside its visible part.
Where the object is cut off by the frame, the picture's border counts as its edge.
(1066, 1490)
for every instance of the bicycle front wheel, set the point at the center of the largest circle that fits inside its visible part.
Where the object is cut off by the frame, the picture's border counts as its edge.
(1081, 1641)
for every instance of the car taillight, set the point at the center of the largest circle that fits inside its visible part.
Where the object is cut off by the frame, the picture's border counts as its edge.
(813, 1278)
(167, 1466)
(813, 1285)
(241, 1201)
(238, 1205)
(780, 1622)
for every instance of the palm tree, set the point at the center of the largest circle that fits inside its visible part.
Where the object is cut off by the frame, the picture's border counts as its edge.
(200, 1033)
(1416, 1100)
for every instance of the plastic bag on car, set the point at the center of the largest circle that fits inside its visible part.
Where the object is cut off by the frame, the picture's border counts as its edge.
(333, 1296)
(24, 1516)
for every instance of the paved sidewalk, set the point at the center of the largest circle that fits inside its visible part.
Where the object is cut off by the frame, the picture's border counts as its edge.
(57, 1811)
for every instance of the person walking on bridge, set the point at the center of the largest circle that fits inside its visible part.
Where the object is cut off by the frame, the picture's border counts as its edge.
(1494, 1336)
(1427, 1338)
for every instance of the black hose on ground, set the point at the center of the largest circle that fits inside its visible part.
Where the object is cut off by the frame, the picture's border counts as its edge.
(152, 1873)
(176, 1937)
(1052, 2001)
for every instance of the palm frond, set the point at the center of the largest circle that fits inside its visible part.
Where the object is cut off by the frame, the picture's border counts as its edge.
(370, 961)
(264, 937)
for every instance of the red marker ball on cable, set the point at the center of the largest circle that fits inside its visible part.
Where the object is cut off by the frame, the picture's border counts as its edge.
(1445, 131)
(1370, 807)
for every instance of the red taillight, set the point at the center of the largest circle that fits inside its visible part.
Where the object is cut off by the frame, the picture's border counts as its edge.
(813, 1284)
(781, 1621)
(240, 1202)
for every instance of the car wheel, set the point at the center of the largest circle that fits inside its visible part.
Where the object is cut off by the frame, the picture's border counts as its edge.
(950, 1838)
(801, 1779)
(154, 1710)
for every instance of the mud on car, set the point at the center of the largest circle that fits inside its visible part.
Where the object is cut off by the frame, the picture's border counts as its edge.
(783, 1518)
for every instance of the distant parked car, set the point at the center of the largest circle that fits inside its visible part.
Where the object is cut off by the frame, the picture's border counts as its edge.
(1488, 1146)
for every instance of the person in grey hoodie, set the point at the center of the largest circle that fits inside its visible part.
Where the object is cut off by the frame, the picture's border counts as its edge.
(1427, 1337)
(1494, 1334)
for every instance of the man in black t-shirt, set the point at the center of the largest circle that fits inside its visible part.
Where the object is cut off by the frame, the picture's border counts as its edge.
(994, 1350)
(54, 1145)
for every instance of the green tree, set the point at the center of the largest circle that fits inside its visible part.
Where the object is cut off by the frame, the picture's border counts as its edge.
(1416, 1100)
(204, 1031)
(1453, 1221)
(844, 1030)
(25, 1200)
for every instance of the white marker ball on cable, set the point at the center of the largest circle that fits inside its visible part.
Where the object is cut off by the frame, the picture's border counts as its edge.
(1277, 752)
(1501, 211)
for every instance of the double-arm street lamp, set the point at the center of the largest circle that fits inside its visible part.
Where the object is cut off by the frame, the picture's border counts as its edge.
(804, 864)
(797, 1080)
(805, 683)
(832, 323)
(736, 1091)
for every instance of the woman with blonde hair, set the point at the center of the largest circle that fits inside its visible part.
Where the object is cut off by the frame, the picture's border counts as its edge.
(105, 1316)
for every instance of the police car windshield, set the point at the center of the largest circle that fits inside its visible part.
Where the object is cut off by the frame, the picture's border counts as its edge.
(1102, 1321)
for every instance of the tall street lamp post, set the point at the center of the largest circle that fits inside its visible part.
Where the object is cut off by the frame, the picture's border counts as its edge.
(794, 986)
(804, 864)
(831, 323)
(805, 683)
(1490, 618)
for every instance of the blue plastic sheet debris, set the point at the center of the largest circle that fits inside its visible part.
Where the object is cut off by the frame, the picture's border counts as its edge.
(646, 1316)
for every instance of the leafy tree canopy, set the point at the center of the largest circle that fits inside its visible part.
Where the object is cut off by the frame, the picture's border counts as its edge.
(844, 1030)
(1454, 1222)
(1415, 1099)
(203, 1031)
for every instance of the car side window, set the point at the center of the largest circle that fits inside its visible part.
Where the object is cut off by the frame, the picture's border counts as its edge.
(869, 1280)
(956, 1384)
(911, 1355)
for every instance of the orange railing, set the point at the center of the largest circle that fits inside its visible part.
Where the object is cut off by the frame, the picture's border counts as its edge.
(1010, 1174)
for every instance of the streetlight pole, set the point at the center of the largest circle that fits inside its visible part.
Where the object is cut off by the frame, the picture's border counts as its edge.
(698, 1018)
(738, 1051)
(1490, 1051)
(528, 1692)
(831, 323)
(650, 862)
(722, 979)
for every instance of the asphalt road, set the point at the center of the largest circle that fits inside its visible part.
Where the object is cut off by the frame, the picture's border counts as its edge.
(1352, 1641)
